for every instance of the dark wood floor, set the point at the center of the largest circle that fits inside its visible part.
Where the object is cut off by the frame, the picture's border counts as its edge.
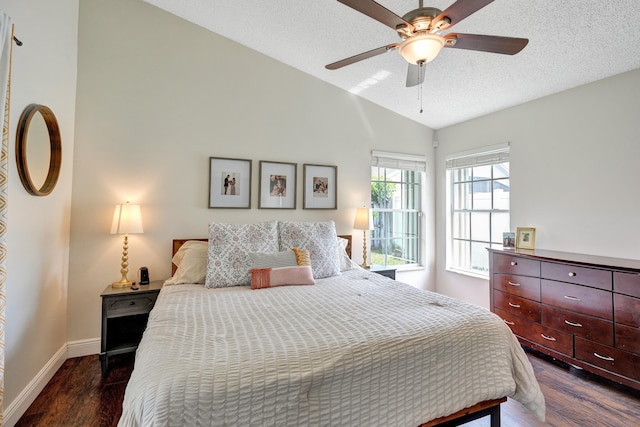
(78, 395)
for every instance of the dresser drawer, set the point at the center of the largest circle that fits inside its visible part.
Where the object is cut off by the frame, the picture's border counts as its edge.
(627, 310)
(524, 286)
(581, 299)
(591, 328)
(509, 264)
(129, 305)
(519, 306)
(534, 332)
(626, 283)
(609, 358)
(628, 338)
(593, 277)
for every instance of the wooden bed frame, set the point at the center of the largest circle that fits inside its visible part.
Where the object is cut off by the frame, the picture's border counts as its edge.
(479, 410)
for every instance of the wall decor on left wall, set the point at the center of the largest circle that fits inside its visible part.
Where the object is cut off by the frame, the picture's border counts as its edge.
(38, 150)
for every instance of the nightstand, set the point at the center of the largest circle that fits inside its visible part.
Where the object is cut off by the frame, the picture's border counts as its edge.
(384, 271)
(124, 318)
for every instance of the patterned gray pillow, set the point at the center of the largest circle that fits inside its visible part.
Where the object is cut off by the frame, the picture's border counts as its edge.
(229, 249)
(319, 238)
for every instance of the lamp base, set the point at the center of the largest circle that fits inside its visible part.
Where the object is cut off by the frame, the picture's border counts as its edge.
(121, 284)
(365, 266)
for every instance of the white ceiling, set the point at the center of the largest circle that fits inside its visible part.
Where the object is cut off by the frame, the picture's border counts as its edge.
(571, 42)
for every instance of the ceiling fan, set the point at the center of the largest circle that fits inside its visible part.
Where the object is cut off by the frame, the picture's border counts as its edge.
(422, 34)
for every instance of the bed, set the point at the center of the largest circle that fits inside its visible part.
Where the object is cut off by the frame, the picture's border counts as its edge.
(352, 348)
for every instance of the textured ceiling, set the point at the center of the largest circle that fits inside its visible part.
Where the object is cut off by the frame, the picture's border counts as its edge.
(571, 42)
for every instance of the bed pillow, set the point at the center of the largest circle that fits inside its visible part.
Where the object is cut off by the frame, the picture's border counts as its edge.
(191, 260)
(319, 238)
(229, 248)
(345, 262)
(284, 268)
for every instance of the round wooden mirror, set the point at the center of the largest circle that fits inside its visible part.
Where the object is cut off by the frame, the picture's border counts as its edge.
(38, 150)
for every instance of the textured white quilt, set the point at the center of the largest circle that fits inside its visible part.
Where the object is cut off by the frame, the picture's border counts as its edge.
(356, 349)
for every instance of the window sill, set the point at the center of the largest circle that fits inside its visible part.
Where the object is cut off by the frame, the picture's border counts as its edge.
(469, 273)
(407, 269)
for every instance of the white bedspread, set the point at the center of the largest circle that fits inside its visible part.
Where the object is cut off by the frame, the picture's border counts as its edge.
(356, 349)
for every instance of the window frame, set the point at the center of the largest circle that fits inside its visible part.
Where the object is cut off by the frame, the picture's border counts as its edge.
(382, 162)
(488, 156)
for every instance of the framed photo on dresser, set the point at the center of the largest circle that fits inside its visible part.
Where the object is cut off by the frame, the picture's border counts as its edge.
(525, 238)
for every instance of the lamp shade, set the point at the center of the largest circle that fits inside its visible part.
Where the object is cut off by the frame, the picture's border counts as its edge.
(127, 219)
(421, 47)
(363, 219)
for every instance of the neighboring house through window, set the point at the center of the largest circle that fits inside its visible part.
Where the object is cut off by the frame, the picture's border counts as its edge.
(478, 207)
(396, 205)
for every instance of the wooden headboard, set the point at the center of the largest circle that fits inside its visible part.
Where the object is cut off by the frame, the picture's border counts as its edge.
(177, 244)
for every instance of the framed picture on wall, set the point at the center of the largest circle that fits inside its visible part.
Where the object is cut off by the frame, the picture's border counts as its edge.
(277, 187)
(229, 183)
(320, 187)
(525, 238)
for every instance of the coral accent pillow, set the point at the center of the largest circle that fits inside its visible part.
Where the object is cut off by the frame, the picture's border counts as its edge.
(284, 268)
(282, 276)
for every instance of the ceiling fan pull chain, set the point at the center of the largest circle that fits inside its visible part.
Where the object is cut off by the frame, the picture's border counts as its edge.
(420, 79)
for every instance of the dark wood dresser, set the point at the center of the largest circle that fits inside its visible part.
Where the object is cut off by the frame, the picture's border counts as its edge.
(582, 309)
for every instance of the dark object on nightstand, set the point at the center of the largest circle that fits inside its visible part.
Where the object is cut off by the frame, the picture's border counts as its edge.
(143, 276)
(125, 312)
(384, 271)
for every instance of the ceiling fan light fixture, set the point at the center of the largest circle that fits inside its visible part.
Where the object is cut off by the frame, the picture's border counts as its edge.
(421, 47)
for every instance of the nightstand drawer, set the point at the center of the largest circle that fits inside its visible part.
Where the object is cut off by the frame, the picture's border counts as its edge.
(383, 271)
(130, 305)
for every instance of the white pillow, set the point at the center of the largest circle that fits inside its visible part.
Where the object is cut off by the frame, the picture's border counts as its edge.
(229, 248)
(319, 238)
(345, 262)
(191, 260)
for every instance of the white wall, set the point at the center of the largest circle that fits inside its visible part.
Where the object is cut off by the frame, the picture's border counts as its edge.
(44, 72)
(574, 171)
(158, 96)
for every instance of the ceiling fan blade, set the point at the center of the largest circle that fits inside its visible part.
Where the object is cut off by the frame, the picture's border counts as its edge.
(484, 43)
(361, 56)
(458, 11)
(415, 75)
(377, 12)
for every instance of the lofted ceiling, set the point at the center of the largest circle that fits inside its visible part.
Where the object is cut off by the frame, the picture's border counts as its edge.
(571, 43)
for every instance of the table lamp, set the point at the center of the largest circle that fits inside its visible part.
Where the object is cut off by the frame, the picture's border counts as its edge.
(126, 220)
(363, 222)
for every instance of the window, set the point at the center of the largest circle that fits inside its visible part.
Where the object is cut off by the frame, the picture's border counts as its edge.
(478, 189)
(396, 189)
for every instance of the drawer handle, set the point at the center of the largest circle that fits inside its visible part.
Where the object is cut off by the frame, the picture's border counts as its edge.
(508, 323)
(132, 303)
(608, 359)
(572, 274)
(577, 325)
(572, 298)
(512, 283)
(513, 263)
(514, 305)
(548, 338)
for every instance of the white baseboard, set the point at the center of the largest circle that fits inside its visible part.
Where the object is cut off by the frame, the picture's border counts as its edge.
(19, 406)
(71, 349)
(82, 348)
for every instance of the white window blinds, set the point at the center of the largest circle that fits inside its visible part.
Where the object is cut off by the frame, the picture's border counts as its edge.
(398, 161)
(483, 156)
